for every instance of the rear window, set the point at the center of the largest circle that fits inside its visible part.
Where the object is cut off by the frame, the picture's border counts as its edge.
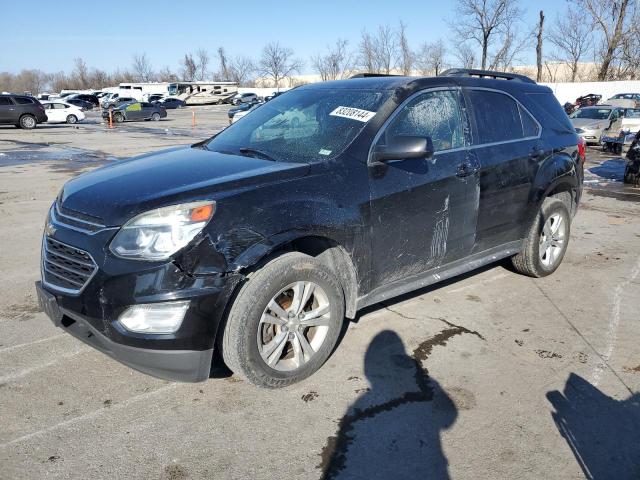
(549, 111)
(497, 116)
(23, 100)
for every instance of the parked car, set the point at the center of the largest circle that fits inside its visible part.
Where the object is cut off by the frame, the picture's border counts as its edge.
(272, 96)
(171, 103)
(92, 99)
(115, 102)
(245, 98)
(260, 245)
(625, 100)
(154, 97)
(632, 168)
(136, 111)
(21, 110)
(622, 131)
(588, 100)
(242, 113)
(81, 104)
(234, 110)
(62, 112)
(590, 122)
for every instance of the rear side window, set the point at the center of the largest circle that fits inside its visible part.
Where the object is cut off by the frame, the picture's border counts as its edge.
(497, 116)
(529, 125)
(5, 101)
(23, 100)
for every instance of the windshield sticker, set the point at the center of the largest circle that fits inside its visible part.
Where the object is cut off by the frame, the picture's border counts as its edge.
(324, 152)
(353, 114)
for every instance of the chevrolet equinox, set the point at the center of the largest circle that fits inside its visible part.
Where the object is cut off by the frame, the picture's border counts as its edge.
(257, 243)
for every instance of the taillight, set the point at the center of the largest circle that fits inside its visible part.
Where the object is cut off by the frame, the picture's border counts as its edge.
(582, 149)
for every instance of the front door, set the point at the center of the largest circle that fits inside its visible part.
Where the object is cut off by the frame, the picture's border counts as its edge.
(424, 211)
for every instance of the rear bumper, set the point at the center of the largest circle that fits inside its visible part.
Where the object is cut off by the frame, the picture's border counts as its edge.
(179, 365)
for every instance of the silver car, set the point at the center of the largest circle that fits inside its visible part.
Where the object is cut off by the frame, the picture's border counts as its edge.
(590, 122)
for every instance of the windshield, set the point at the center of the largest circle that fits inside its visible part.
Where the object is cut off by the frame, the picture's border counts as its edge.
(592, 113)
(302, 125)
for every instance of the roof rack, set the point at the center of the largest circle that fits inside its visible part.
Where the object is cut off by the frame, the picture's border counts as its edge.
(369, 75)
(470, 72)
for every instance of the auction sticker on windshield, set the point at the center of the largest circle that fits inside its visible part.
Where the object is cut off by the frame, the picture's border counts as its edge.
(353, 114)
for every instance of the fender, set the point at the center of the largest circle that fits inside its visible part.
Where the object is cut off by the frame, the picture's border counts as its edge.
(557, 172)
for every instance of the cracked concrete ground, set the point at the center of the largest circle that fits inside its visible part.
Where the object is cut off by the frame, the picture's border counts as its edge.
(489, 375)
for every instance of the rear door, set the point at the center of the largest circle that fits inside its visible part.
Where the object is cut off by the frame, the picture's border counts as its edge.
(423, 210)
(7, 111)
(508, 145)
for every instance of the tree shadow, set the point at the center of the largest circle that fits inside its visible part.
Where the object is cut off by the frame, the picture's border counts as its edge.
(393, 429)
(602, 432)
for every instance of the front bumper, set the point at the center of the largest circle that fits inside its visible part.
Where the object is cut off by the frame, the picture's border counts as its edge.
(180, 365)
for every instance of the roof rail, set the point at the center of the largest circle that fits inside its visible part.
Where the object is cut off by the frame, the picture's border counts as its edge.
(369, 75)
(470, 72)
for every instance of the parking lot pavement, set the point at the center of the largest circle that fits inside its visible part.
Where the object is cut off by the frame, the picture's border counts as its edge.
(491, 375)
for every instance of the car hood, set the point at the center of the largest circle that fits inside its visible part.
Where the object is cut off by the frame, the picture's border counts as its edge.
(116, 193)
(588, 122)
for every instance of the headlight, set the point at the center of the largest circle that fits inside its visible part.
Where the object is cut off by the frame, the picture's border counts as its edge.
(158, 234)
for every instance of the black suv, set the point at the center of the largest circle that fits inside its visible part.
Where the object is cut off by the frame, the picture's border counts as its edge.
(23, 111)
(257, 243)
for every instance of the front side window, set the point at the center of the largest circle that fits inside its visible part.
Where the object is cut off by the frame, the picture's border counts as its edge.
(432, 114)
(303, 125)
(5, 101)
(497, 116)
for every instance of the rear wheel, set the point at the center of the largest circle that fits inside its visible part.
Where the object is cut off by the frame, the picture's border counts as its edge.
(546, 241)
(155, 117)
(28, 122)
(71, 119)
(284, 321)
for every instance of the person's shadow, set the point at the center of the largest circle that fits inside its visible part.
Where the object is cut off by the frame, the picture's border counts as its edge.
(393, 430)
(602, 432)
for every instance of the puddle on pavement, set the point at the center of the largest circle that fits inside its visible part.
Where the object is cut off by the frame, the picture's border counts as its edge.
(67, 159)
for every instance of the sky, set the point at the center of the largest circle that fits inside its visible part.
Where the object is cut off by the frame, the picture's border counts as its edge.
(108, 34)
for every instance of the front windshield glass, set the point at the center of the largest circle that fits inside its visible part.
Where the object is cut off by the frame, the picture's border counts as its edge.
(306, 125)
(592, 113)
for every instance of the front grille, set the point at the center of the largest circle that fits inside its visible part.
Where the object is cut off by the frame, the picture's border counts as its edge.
(76, 220)
(65, 267)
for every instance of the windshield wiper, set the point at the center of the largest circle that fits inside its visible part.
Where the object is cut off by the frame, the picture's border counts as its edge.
(255, 151)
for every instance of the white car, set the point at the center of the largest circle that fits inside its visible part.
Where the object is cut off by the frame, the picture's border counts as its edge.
(62, 112)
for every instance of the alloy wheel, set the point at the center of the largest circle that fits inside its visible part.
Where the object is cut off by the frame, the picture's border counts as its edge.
(552, 240)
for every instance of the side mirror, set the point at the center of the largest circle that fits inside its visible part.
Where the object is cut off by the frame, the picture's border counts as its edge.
(402, 147)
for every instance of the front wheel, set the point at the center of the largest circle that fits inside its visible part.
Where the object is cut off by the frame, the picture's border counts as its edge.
(118, 118)
(284, 322)
(71, 119)
(546, 241)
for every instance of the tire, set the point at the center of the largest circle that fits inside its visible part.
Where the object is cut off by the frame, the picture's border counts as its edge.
(71, 119)
(28, 122)
(531, 260)
(118, 118)
(246, 338)
(155, 117)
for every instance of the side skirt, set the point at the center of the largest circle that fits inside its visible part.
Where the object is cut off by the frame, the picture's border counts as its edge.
(440, 273)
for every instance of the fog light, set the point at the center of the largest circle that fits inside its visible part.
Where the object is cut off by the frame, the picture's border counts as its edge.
(163, 317)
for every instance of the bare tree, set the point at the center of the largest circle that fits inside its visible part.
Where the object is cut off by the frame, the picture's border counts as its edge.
(430, 58)
(166, 75)
(336, 64)
(202, 63)
(512, 45)
(465, 55)
(240, 70)
(277, 63)
(366, 53)
(572, 43)
(385, 49)
(80, 73)
(223, 73)
(405, 55)
(483, 21)
(142, 67)
(610, 18)
(189, 68)
(539, 47)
